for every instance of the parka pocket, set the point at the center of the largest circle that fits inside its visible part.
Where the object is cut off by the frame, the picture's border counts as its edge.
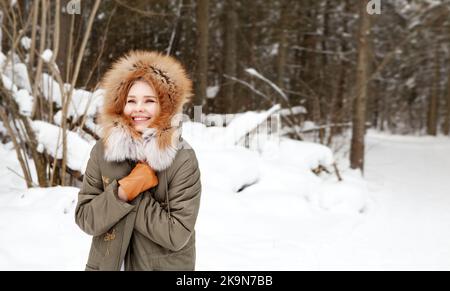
(102, 243)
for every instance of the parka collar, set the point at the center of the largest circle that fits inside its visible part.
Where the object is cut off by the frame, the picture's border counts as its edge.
(159, 143)
(121, 144)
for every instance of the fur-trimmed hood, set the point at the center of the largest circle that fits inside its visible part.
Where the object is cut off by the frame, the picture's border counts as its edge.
(159, 143)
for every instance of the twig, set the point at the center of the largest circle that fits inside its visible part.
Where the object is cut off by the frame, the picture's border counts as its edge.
(249, 86)
(142, 12)
(32, 183)
(336, 171)
(4, 117)
(175, 25)
(278, 89)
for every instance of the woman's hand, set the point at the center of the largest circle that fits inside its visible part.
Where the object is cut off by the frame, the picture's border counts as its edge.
(141, 178)
(122, 195)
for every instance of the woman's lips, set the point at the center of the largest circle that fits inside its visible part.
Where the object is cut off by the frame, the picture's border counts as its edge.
(140, 119)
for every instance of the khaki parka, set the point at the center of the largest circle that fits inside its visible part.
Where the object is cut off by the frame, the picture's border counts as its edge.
(156, 230)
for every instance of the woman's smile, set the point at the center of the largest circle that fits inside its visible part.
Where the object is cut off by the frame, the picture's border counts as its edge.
(141, 119)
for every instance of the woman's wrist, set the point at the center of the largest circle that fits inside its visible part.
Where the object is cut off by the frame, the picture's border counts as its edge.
(122, 195)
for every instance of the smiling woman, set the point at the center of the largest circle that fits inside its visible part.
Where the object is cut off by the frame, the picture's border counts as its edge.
(141, 189)
(141, 105)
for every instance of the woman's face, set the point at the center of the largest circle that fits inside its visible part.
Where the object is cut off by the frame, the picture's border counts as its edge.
(142, 104)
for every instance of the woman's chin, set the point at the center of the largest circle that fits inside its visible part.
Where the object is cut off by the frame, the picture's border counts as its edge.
(140, 128)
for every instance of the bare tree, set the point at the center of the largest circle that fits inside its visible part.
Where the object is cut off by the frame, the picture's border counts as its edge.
(432, 117)
(282, 35)
(360, 102)
(202, 51)
(447, 115)
(230, 56)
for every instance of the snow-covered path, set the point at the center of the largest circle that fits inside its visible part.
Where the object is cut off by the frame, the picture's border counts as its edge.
(408, 226)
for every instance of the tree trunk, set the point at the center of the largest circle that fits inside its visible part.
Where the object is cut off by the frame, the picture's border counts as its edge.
(202, 52)
(337, 104)
(432, 119)
(252, 44)
(230, 56)
(447, 116)
(282, 42)
(65, 20)
(360, 101)
(325, 64)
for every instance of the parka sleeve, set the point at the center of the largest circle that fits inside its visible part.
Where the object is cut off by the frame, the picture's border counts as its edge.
(184, 191)
(98, 209)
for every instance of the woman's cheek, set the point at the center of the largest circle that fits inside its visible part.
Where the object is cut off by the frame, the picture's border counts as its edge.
(155, 109)
(127, 109)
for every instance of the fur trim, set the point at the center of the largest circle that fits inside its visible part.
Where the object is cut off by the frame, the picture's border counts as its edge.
(122, 146)
(159, 144)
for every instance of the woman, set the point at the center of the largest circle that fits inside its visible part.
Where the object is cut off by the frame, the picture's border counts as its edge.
(141, 190)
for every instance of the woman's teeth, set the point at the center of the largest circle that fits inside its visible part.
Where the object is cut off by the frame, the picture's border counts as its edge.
(140, 118)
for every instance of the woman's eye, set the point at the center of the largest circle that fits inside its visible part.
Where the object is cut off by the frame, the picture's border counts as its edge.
(130, 101)
(150, 101)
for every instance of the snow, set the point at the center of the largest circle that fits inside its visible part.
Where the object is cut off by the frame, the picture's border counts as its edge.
(294, 110)
(50, 89)
(19, 74)
(266, 210)
(85, 101)
(2, 60)
(227, 129)
(232, 168)
(26, 42)
(82, 101)
(309, 125)
(256, 74)
(92, 126)
(9, 84)
(306, 155)
(274, 50)
(211, 92)
(213, 119)
(49, 137)
(2, 128)
(25, 102)
(411, 83)
(47, 55)
(43, 235)
(245, 123)
(345, 196)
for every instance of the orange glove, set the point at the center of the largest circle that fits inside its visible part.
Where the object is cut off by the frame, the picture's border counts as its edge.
(141, 178)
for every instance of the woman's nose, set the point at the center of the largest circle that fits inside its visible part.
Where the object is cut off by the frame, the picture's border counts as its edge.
(139, 107)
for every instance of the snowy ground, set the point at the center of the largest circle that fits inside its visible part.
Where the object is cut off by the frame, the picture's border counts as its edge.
(288, 219)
